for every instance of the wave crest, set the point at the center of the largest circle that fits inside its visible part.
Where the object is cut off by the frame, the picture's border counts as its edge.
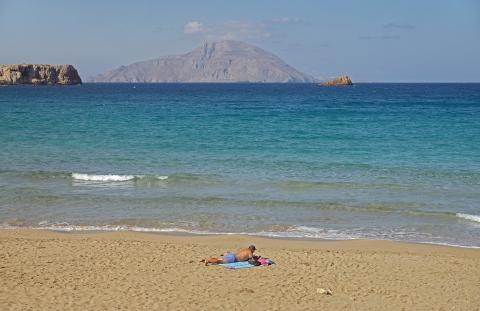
(475, 218)
(110, 177)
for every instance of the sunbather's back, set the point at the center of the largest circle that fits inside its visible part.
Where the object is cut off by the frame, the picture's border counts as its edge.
(244, 254)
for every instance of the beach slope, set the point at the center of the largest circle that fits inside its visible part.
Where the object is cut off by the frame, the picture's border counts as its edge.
(42, 270)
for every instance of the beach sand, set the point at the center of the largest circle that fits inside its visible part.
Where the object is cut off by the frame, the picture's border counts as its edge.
(42, 270)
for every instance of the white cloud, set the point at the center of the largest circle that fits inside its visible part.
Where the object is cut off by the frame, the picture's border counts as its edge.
(230, 30)
(237, 30)
(194, 27)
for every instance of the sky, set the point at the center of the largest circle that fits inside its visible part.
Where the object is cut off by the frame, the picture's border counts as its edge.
(372, 41)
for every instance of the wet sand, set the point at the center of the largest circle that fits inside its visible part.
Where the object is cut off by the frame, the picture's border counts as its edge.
(43, 270)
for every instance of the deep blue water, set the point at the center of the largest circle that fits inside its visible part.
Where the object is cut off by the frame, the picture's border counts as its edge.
(377, 161)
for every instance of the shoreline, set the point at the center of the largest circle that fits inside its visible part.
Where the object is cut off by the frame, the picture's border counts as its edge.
(289, 242)
(47, 270)
(193, 233)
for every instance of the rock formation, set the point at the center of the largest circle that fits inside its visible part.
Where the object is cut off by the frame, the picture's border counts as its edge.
(38, 74)
(218, 61)
(343, 80)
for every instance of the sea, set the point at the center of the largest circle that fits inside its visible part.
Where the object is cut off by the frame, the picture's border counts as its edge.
(372, 161)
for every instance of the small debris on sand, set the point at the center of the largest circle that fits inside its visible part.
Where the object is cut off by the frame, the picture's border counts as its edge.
(324, 291)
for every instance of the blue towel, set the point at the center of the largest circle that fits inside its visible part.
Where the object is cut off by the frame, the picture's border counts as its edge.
(238, 265)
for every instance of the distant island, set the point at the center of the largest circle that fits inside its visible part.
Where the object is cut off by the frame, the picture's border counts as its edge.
(343, 80)
(225, 61)
(217, 61)
(38, 74)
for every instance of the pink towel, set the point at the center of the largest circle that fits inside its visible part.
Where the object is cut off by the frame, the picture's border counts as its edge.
(264, 262)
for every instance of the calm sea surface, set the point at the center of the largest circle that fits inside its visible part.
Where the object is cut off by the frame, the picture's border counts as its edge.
(374, 161)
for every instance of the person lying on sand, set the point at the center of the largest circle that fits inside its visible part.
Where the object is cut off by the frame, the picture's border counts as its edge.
(243, 254)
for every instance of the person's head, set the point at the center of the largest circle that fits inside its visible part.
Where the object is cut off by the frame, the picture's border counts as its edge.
(252, 248)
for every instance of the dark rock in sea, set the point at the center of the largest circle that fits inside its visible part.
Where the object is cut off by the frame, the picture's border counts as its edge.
(38, 74)
(218, 61)
(343, 80)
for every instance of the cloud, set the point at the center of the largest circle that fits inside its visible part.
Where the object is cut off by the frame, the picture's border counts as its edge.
(402, 26)
(230, 30)
(237, 30)
(194, 27)
(285, 20)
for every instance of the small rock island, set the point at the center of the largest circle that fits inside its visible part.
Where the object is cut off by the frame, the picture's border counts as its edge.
(343, 80)
(38, 74)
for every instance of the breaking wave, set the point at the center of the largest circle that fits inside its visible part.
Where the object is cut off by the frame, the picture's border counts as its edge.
(475, 218)
(111, 178)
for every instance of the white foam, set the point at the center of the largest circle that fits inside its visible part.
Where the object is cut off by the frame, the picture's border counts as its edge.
(63, 227)
(73, 228)
(109, 177)
(91, 177)
(295, 232)
(316, 233)
(475, 218)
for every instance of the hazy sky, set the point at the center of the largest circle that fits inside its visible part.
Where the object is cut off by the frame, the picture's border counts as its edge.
(382, 40)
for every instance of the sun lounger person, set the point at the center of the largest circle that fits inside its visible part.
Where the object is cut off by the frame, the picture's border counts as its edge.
(243, 254)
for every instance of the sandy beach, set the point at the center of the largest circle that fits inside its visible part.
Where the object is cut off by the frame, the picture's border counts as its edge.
(43, 270)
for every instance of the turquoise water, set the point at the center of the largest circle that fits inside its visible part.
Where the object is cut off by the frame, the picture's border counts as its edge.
(375, 161)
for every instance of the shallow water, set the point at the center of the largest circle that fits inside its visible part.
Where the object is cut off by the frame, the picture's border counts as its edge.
(376, 161)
